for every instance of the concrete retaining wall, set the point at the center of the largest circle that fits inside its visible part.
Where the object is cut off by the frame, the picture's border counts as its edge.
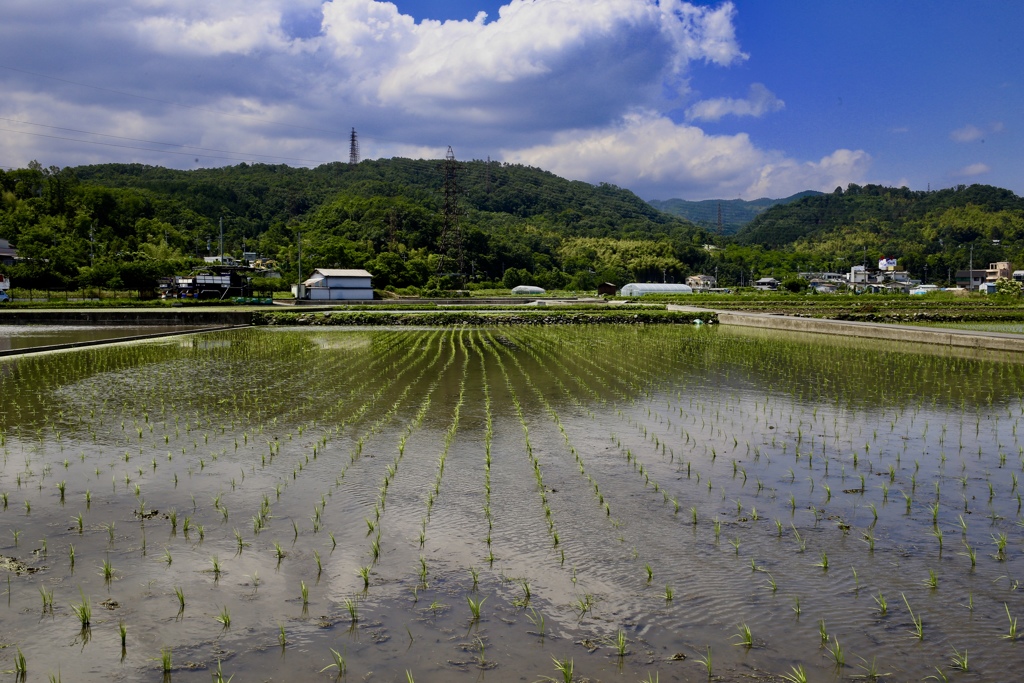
(967, 339)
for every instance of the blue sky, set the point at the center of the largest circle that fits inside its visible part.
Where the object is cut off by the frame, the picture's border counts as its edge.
(669, 99)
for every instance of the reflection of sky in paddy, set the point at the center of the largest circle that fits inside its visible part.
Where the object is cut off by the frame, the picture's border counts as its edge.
(29, 336)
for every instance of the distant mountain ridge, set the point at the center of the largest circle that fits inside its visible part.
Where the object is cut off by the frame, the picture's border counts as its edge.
(736, 213)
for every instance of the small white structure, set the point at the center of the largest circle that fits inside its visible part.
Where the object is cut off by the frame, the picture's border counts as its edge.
(528, 290)
(339, 284)
(924, 289)
(643, 288)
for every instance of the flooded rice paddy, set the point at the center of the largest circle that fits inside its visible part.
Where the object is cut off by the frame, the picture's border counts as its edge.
(28, 336)
(630, 504)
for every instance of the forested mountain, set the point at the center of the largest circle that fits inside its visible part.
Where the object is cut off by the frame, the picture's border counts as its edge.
(736, 213)
(123, 225)
(86, 224)
(935, 229)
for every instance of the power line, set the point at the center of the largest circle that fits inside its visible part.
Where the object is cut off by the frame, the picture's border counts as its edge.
(157, 142)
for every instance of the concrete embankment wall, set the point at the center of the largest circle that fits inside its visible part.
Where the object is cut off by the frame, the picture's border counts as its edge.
(967, 339)
(127, 317)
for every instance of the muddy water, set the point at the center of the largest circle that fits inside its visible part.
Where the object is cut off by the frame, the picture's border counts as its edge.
(670, 485)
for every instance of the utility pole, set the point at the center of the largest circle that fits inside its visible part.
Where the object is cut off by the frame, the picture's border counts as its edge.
(970, 270)
(222, 239)
(299, 243)
(353, 148)
(450, 243)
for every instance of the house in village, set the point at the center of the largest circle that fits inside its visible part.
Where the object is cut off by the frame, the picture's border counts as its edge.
(337, 284)
(702, 282)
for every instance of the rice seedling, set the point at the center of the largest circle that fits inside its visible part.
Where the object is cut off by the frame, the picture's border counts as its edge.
(932, 581)
(705, 661)
(107, 571)
(822, 632)
(621, 643)
(47, 597)
(797, 675)
(918, 629)
(838, 655)
(959, 659)
(1012, 634)
(823, 561)
(165, 660)
(537, 619)
(364, 573)
(669, 593)
(224, 617)
(565, 669)
(338, 663)
(218, 675)
(304, 590)
(1000, 541)
(20, 664)
(883, 606)
(83, 610)
(746, 639)
(181, 598)
(122, 630)
(474, 606)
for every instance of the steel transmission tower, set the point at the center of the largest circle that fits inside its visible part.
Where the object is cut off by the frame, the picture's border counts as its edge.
(353, 148)
(451, 259)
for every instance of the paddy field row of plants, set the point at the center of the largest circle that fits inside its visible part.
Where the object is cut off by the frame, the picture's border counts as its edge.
(655, 503)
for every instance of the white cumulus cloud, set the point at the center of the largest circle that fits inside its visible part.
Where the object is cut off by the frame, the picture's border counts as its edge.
(972, 170)
(662, 159)
(760, 101)
(968, 133)
(576, 86)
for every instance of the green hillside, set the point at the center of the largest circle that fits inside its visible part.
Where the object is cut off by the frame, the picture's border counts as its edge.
(131, 222)
(937, 229)
(736, 213)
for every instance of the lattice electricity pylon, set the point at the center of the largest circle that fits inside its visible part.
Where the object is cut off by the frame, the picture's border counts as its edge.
(451, 259)
(353, 148)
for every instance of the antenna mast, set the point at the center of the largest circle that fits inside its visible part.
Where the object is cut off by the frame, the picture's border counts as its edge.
(450, 244)
(353, 148)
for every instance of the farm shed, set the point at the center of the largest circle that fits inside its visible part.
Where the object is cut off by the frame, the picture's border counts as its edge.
(339, 284)
(528, 289)
(607, 289)
(642, 288)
